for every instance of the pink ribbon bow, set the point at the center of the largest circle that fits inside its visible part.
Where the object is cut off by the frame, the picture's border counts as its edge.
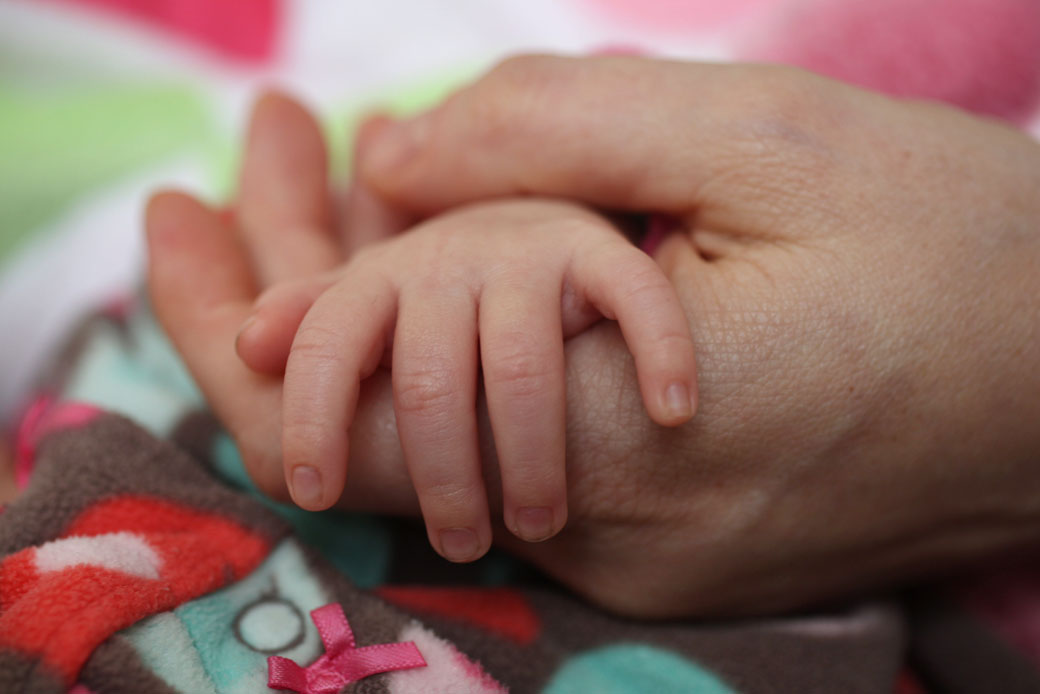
(341, 663)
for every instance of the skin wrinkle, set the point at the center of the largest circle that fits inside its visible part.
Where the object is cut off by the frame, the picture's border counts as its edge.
(771, 151)
(516, 366)
(595, 441)
(867, 559)
(926, 543)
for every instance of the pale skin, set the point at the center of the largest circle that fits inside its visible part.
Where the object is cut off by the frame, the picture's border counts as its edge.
(862, 281)
(496, 285)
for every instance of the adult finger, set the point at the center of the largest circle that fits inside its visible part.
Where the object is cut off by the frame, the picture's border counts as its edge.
(202, 288)
(267, 334)
(283, 208)
(364, 215)
(618, 132)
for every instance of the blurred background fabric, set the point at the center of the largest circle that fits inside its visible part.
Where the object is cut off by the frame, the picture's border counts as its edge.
(104, 100)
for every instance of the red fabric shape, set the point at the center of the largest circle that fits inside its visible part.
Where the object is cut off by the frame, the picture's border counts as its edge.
(503, 611)
(341, 663)
(60, 615)
(243, 30)
(43, 417)
(907, 683)
(1008, 601)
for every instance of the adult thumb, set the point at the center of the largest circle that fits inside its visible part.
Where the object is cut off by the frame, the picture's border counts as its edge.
(620, 132)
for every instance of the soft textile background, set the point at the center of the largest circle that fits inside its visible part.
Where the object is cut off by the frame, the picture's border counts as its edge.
(101, 100)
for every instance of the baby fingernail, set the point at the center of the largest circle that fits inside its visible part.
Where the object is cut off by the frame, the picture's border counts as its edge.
(459, 544)
(306, 487)
(678, 401)
(534, 523)
(394, 144)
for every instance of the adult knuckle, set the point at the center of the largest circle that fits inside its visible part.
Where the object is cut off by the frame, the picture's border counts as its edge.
(514, 93)
(787, 119)
(788, 94)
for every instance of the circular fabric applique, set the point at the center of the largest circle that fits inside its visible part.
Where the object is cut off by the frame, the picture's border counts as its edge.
(270, 625)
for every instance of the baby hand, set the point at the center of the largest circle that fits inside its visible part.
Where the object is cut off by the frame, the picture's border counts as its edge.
(508, 279)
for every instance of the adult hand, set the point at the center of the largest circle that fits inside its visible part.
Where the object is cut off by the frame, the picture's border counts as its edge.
(862, 277)
(206, 269)
(826, 270)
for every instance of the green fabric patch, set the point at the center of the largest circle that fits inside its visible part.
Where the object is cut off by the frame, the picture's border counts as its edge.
(133, 370)
(59, 144)
(631, 669)
(165, 646)
(356, 544)
(234, 629)
(400, 101)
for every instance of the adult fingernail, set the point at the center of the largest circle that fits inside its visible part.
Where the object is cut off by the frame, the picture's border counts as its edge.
(534, 523)
(459, 544)
(306, 487)
(678, 401)
(393, 144)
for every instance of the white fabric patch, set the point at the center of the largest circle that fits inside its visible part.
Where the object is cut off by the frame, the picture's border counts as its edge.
(164, 644)
(447, 670)
(122, 551)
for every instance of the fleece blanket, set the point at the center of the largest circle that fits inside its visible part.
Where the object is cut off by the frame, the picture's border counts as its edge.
(139, 559)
